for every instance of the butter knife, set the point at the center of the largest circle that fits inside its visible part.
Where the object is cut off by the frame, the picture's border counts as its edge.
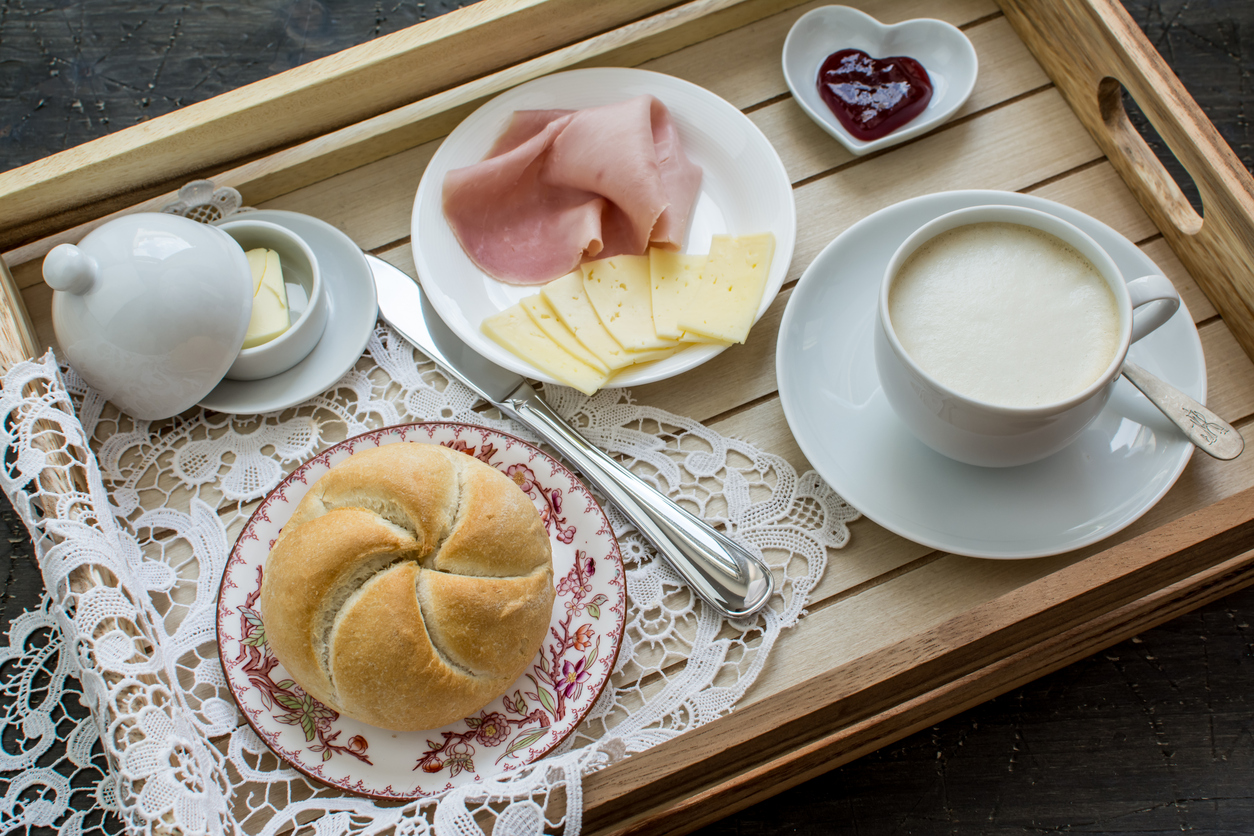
(719, 571)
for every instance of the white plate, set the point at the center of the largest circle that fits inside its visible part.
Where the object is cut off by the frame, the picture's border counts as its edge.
(942, 49)
(533, 716)
(1119, 467)
(745, 189)
(351, 314)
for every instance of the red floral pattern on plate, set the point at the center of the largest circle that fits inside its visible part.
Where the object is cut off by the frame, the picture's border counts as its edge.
(525, 723)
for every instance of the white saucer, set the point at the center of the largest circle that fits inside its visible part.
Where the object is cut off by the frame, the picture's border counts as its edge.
(1121, 465)
(744, 189)
(351, 315)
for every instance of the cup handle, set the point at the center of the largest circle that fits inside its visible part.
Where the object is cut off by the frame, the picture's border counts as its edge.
(1154, 301)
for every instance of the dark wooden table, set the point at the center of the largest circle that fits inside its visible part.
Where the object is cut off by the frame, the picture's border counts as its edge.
(1155, 734)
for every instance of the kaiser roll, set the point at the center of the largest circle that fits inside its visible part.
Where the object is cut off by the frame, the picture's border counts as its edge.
(411, 587)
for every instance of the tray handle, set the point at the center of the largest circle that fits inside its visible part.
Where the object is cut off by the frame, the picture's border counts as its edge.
(1090, 48)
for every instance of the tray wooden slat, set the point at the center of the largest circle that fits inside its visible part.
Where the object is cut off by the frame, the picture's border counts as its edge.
(852, 709)
(339, 90)
(898, 635)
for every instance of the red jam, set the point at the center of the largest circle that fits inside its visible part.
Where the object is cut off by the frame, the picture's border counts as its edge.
(872, 97)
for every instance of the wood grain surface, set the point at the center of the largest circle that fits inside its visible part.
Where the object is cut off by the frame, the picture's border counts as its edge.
(1156, 735)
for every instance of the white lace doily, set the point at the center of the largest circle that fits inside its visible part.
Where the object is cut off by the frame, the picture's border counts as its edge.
(132, 558)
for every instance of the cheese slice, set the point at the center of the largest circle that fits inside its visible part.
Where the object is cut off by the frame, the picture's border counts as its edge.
(638, 357)
(694, 337)
(517, 333)
(672, 279)
(571, 304)
(725, 302)
(270, 316)
(543, 315)
(620, 293)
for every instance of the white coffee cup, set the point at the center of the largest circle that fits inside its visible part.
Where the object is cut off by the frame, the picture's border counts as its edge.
(989, 434)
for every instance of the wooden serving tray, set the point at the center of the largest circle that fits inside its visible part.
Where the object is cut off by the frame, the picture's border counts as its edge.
(898, 636)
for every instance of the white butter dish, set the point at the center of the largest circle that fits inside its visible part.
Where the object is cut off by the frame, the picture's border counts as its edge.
(308, 304)
(150, 309)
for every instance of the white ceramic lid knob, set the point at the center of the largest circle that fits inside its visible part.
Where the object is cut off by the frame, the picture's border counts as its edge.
(69, 269)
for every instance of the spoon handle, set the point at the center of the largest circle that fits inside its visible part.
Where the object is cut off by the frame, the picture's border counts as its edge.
(1204, 428)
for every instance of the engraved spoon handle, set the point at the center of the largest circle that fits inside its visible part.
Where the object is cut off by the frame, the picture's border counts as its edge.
(1204, 428)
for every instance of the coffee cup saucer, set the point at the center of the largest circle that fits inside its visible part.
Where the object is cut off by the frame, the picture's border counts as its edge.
(1119, 467)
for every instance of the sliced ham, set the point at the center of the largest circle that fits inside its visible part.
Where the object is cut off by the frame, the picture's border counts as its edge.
(559, 187)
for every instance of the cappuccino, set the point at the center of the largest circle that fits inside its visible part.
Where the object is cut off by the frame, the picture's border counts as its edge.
(1005, 314)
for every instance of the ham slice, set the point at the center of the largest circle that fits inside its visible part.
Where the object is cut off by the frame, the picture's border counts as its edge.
(559, 187)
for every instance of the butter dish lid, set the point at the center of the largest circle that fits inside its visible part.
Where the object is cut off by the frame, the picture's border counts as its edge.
(151, 310)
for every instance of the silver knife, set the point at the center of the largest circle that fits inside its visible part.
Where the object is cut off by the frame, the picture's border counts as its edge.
(721, 572)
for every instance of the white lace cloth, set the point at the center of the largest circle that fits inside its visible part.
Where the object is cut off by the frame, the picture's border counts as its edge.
(132, 559)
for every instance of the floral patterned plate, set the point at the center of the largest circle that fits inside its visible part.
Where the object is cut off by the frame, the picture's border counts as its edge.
(533, 716)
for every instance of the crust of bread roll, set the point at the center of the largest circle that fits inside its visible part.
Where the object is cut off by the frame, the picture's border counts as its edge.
(465, 609)
(492, 516)
(411, 487)
(388, 672)
(308, 580)
(411, 587)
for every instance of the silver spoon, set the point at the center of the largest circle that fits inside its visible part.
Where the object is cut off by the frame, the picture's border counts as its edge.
(1204, 428)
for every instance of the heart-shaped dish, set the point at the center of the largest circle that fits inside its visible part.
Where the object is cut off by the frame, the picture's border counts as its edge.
(941, 48)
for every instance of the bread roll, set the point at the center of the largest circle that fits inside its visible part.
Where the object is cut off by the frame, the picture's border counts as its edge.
(411, 587)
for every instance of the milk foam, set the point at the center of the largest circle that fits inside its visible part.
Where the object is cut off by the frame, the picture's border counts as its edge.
(1005, 314)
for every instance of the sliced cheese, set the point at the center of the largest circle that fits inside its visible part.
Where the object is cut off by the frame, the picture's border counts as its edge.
(638, 357)
(543, 315)
(694, 337)
(619, 288)
(571, 304)
(517, 333)
(672, 279)
(725, 302)
(270, 316)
